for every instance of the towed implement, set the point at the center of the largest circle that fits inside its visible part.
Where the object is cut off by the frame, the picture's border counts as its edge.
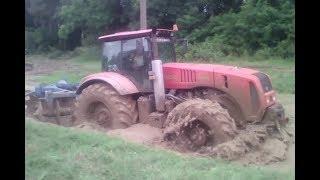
(52, 103)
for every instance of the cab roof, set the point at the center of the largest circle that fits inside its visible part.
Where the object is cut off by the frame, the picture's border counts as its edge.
(134, 34)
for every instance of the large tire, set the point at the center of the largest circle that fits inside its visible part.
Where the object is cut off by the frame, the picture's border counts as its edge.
(32, 104)
(233, 110)
(102, 105)
(216, 126)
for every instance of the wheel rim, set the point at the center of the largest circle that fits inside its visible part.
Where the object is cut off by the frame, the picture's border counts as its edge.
(197, 134)
(31, 104)
(102, 116)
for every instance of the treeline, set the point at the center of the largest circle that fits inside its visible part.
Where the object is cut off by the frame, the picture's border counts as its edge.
(213, 27)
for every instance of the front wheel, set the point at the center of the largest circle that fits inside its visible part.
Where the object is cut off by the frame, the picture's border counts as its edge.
(196, 123)
(102, 105)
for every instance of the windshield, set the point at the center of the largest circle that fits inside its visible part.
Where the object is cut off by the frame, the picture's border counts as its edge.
(166, 49)
(124, 54)
(111, 51)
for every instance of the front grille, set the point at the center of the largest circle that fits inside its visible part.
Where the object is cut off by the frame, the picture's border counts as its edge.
(254, 98)
(265, 81)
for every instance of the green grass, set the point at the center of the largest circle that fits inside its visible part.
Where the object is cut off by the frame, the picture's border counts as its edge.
(54, 152)
(58, 75)
(84, 64)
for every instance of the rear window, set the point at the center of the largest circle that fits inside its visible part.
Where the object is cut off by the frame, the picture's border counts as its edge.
(265, 81)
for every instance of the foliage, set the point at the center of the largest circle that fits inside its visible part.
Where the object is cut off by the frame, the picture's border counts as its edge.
(41, 24)
(228, 27)
(260, 28)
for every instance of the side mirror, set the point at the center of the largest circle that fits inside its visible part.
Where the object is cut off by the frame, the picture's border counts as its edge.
(175, 28)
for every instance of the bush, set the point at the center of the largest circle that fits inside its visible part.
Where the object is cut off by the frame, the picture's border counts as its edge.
(88, 53)
(260, 28)
(55, 53)
(33, 39)
(89, 40)
(38, 40)
(207, 50)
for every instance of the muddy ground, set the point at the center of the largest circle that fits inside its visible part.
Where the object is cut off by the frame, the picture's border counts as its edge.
(251, 146)
(247, 148)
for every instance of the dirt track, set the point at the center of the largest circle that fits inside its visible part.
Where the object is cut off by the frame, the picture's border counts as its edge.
(247, 148)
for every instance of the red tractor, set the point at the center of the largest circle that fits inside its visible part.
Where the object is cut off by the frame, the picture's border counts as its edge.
(199, 103)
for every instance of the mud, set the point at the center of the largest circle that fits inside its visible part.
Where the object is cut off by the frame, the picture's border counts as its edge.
(89, 127)
(252, 146)
(256, 144)
(139, 133)
(273, 150)
(47, 66)
(204, 115)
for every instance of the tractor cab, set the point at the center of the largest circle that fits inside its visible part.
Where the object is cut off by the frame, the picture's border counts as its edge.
(130, 53)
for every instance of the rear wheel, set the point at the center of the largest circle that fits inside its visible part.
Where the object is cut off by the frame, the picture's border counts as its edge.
(31, 103)
(102, 105)
(196, 123)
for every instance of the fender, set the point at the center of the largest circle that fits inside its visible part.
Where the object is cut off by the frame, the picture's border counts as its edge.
(119, 82)
(221, 91)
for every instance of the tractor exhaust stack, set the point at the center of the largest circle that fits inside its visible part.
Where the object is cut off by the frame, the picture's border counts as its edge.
(143, 14)
(158, 85)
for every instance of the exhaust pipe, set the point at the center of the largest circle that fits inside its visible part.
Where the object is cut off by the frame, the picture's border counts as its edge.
(158, 84)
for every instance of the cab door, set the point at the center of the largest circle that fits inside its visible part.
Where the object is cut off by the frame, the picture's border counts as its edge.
(135, 60)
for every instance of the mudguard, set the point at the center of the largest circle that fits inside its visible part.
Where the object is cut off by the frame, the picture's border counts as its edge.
(119, 82)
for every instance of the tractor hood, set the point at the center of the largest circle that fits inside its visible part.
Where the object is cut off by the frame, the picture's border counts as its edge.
(189, 75)
(249, 87)
(217, 68)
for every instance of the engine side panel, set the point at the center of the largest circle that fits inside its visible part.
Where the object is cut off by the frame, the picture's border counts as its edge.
(238, 88)
(237, 82)
(184, 78)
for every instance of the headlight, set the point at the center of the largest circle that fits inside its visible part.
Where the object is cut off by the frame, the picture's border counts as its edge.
(274, 98)
(268, 100)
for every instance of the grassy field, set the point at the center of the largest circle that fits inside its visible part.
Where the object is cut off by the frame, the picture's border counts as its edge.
(54, 152)
(80, 68)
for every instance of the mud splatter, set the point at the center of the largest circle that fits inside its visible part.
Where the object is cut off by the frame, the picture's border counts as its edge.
(138, 133)
(252, 146)
(194, 116)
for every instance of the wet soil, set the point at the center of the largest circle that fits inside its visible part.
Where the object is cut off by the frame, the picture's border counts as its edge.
(250, 147)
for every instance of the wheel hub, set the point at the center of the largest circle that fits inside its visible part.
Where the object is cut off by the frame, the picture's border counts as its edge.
(103, 116)
(198, 136)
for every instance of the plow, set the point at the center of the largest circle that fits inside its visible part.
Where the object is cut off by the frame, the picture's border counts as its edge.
(198, 106)
(51, 103)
